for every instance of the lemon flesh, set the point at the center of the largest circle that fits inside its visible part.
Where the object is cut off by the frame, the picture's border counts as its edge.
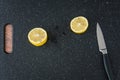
(37, 36)
(79, 24)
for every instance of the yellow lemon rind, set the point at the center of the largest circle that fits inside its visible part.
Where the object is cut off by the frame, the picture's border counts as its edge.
(81, 31)
(44, 40)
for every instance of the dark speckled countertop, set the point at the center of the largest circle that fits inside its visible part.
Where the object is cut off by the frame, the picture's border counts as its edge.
(66, 56)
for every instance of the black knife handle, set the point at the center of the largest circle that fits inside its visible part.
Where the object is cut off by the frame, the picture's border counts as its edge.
(107, 66)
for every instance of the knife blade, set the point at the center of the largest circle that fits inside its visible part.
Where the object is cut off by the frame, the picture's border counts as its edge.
(101, 41)
(103, 50)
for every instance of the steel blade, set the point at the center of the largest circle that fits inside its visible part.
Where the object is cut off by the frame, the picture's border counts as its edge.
(101, 41)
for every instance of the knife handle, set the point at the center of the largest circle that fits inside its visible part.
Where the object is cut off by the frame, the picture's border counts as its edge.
(107, 66)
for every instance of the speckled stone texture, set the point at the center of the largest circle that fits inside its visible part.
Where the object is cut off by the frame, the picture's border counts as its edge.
(66, 56)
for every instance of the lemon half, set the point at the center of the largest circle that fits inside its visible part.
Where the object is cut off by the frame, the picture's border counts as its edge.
(37, 36)
(79, 24)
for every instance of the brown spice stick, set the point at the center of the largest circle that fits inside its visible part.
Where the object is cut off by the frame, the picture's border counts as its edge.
(8, 38)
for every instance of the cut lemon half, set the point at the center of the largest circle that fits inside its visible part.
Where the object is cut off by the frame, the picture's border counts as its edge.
(79, 24)
(37, 36)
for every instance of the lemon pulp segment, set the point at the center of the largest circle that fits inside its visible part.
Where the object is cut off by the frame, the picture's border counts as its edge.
(79, 24)
(37, 36)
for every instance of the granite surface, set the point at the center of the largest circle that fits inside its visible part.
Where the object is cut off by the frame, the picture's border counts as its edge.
(65, 56)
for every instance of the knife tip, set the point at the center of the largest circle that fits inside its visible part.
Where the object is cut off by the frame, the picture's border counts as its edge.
(98, 26)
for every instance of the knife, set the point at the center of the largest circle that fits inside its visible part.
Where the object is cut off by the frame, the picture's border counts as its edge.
(103, 50)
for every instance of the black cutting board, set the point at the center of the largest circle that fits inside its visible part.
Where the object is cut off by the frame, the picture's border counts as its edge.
(65, 56)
